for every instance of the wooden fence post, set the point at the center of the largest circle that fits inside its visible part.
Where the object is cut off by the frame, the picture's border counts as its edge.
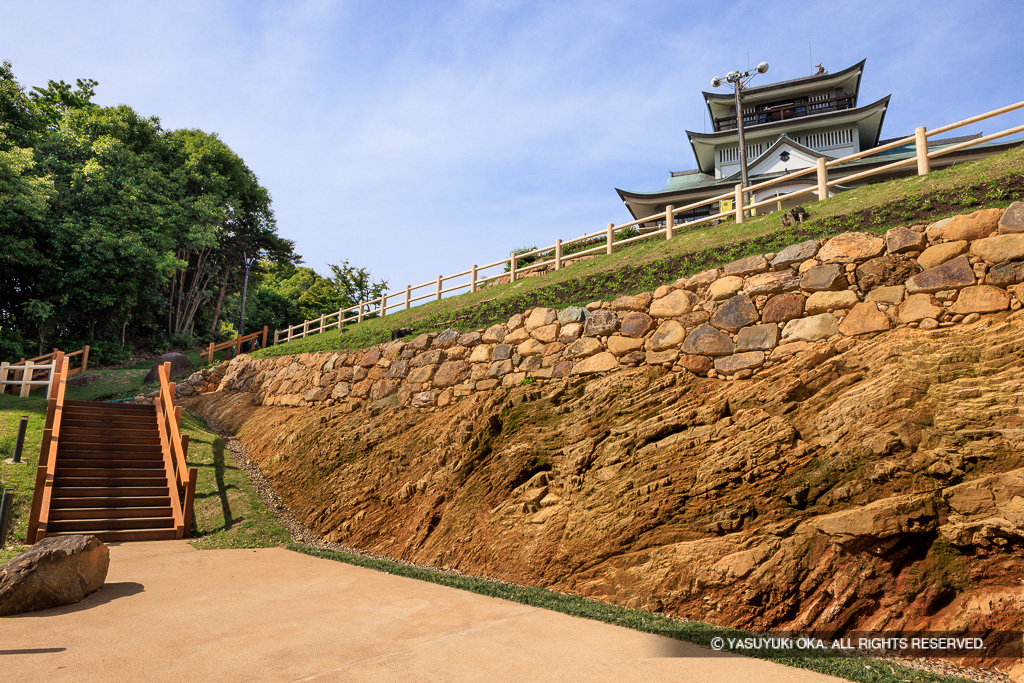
(359, 313)
(439, 281)
(290, 328)
(472, 278)
(383, 305)
(512, 267)
(276, 336)
(238, 349)
(26, 377)
(558, 254)
(670, 221)
(263, 344)
(822, 179)
(610, 237)
(738, 201)
(3, 377)
(408, 296)
(305, 329)
(85, 358)
(921, 143)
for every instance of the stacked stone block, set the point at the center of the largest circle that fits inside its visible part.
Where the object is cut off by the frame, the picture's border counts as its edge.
(725, 323)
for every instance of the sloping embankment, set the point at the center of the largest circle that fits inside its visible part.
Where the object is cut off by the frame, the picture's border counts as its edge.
(879, 487)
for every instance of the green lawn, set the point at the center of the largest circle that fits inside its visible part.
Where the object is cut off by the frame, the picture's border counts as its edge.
(228, 512)
(20, 478)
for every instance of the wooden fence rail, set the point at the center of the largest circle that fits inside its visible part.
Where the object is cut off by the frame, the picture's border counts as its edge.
(606, 241)
(235, 344)
(24, 376)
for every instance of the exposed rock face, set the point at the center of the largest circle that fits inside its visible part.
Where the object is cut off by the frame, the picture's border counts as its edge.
(58, 570)
(180, 365)
(863, 484)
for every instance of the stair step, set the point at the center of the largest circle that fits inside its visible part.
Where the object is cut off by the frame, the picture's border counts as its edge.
(150, 438)
(154, 455)
(108, 481)
(105, 447)
(123, 407)
(111, 433)
(119, 513)
(110, 523)
(115, 535)
(107, 464)
(108, 491)
(115, 471)
(113, 422)
(111, 501)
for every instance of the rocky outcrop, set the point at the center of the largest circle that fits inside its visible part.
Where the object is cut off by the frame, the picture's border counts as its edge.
(180, 365)
(58, 570)
(854, 484)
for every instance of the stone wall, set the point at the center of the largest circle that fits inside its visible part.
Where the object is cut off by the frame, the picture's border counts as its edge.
(726, 323)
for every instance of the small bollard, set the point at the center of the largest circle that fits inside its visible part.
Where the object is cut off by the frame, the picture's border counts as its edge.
(5, 515)
(21, 440)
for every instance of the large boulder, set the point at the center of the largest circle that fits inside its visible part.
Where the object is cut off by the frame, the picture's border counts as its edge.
(58, 570)
(180, 365)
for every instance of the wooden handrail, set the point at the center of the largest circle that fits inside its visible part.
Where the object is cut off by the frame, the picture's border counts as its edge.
(180, 477)
(39, 516)
(303, 329)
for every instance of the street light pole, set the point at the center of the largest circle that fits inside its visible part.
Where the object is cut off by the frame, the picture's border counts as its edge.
(743, 145)
(247, 262)
(738, 79)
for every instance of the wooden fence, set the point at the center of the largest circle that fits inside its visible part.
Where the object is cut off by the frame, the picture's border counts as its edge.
(24, 376)
(606, 242)
(234, 346)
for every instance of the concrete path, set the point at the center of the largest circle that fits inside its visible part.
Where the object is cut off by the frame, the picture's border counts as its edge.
(169, 612)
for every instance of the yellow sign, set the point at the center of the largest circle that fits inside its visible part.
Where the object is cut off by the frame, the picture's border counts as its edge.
(725, 205)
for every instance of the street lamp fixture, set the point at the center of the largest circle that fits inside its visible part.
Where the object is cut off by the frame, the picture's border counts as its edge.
(739, 79)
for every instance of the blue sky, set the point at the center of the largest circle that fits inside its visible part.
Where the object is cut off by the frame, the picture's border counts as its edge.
(418, 138)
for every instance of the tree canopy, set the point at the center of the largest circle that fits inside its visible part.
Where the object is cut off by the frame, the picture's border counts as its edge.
(111, 225)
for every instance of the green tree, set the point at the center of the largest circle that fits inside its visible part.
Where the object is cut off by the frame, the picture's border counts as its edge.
(348, 287)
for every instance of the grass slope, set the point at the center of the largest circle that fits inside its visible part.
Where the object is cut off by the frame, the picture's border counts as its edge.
(643, 266)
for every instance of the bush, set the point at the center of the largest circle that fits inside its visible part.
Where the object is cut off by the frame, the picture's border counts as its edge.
(107, 353)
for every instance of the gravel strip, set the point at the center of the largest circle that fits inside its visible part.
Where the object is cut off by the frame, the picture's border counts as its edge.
(301, 534)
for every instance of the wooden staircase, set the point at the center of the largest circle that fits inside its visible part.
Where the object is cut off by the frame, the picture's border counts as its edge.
(114, 471)
(110, 479)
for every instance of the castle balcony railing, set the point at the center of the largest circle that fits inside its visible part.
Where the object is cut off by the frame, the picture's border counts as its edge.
(788, 110)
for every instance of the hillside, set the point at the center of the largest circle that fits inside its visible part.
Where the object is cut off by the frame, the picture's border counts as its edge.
(991, 182)
(826, 437)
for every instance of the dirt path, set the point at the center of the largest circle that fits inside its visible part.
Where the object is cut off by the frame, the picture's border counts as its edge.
(169, 611)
